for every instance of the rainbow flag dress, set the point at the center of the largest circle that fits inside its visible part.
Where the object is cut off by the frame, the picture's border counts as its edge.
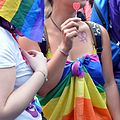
(26, 15)
(80, 93)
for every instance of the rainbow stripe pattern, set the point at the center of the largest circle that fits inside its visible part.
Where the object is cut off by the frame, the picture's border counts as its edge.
(26, 15)
(80, 94)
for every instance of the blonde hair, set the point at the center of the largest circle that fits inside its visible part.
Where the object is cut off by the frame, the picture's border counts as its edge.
(48, 8)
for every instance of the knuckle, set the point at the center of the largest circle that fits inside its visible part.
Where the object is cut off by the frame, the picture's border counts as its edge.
(65, 32)
(74, 28)
(72, 23)
(67, 36)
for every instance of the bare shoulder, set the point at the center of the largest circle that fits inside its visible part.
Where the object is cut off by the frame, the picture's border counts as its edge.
(105, 35)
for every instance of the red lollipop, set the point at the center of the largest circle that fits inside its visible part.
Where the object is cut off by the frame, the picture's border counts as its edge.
(76, 6)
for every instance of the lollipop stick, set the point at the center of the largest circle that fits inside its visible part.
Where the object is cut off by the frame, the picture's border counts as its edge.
(76, 13)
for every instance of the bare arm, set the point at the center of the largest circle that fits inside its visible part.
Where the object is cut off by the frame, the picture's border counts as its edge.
(28, 44)
(110, 84)
(55, 66)
(55, 71)
(57, 63)
(13, 102)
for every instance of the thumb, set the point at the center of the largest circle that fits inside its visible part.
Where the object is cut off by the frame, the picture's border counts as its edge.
(25, 54)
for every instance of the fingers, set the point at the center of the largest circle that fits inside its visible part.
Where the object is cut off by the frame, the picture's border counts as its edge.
(24, 53)
(35, 53)
(70, 30)
(71, 35)
(31, 53)
(71, 20)
(70, 25)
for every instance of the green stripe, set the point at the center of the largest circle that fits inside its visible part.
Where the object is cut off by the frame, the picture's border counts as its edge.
(57, 91)
(100, 88)
(21, 13)
(84, 69)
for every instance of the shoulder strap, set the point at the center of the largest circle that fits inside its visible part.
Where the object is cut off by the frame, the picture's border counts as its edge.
(100, 14)
(96, 33)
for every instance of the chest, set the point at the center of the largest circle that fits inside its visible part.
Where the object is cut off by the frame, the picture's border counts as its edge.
(82, 44)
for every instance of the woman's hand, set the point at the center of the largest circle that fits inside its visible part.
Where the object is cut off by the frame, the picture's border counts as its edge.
(36, 60)
(69, 30)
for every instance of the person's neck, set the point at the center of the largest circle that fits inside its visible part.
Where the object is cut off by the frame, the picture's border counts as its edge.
(61, 14)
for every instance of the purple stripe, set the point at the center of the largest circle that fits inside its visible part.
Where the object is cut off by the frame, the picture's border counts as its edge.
(93, 57)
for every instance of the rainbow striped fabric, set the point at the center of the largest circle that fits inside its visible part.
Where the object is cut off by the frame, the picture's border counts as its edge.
(80, 94)
(26, 15)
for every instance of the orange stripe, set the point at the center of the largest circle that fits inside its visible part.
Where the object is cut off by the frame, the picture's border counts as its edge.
(84, 110)
(102, 113)
(2, 3)
(70, 116)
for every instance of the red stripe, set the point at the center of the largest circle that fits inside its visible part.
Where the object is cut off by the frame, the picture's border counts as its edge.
(2, 3)
(85, 111)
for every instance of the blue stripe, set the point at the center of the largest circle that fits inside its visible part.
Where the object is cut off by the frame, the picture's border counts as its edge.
(32, 17)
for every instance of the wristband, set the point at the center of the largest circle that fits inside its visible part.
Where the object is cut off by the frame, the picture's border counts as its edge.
(63, 52)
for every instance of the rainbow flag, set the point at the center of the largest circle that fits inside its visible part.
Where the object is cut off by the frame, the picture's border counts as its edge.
(26, 15)
(80, 94)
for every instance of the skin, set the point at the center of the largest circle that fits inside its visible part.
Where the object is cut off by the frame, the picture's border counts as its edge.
(67, 39)
(30, 88)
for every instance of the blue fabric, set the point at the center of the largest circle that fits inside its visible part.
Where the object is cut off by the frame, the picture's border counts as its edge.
(115, 54)
(103, 7)
(90, 64)
(118, 84)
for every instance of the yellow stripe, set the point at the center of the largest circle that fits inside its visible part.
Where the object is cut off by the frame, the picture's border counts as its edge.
(50, 110)
(81, 88)
(62, 105)
(98, 100)
(9, 9)
(65, 104)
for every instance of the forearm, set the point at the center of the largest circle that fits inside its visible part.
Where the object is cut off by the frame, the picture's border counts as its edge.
(55, 71)
(113, 100)
(21, 97)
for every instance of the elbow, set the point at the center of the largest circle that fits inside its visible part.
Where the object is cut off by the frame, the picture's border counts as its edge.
(6, 115)
(110, 81)
(3, 116)
(42, 93)
(45, 89)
